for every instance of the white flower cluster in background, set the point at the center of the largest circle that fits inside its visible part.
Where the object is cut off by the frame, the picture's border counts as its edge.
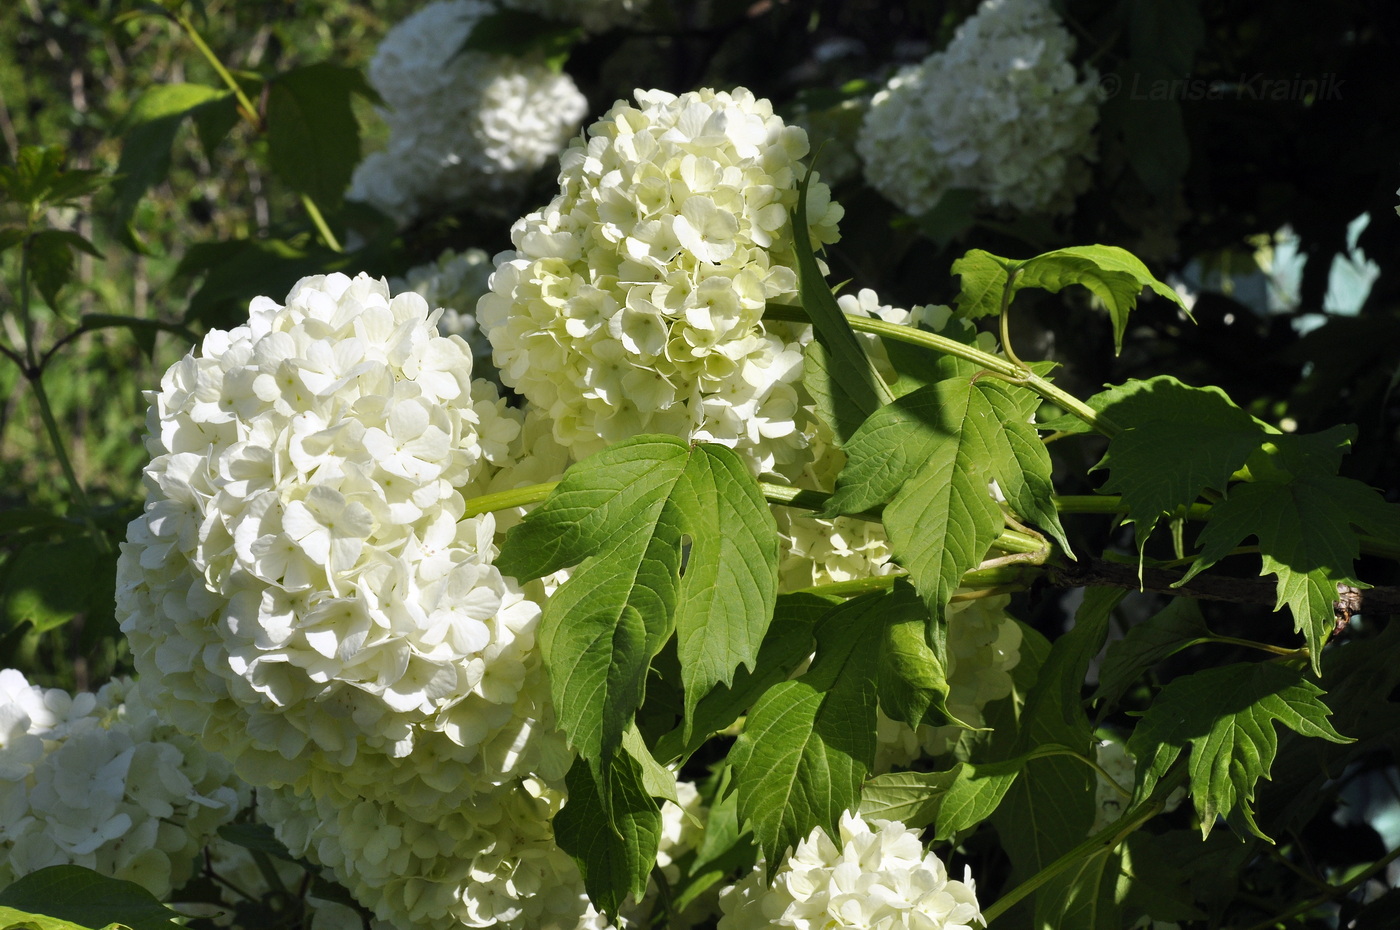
(1109, 802)
(984, 645)
(303, 590)
(454, 283)
(460, 125)
(874, 875)
(633, 301)
(1001, 111)
(593, 15)
(96, 780)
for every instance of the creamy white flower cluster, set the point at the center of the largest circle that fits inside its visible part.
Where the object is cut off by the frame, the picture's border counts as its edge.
(593, 15)
(97, 780)
(875, 875)
(494, 863)
(303, 591)
(633, 301)
(460, 124)
(454, 283)
(984, 645)
(1001, 111)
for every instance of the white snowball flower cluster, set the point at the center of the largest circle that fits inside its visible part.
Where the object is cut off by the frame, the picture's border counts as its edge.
(633, 301)
(1001, 111)
(303, 591)
(460, 125)
(984, 645)
(593, 15)
(454, 283)
(875, 875)
(97, 780)
(494, 863)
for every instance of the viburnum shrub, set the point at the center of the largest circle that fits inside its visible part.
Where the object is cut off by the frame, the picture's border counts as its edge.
(640, 576)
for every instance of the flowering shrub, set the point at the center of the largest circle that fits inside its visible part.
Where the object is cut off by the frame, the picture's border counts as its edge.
(1001, 111)
(877, 875)
(98, 780)
(461, 124)
(633, 301)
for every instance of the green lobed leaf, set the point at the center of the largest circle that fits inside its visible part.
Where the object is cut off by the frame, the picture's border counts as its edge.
(950, 801)
(39, 179)
(983, 282)
(50, 255)
(88, 899)
(841, 376)
(1177, 441)
(1227, 717)
(148, 132)
(257, 837)
(1167, 632)
(787, 644)
(1305, 528)
(313, 138)
(913, 677)
(809, 743)
(730, 585)
(615, 860)
(1113, 275)
(622, 515)
(50, 583)
(1020, 462)
(238, 270)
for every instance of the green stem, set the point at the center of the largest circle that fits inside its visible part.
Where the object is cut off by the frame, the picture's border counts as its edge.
(1337, 891)
(320, 222)
(1251, 644)
(1004, 318)
(506, 500)
(994, 363)
(250, 112)
(1106, 840)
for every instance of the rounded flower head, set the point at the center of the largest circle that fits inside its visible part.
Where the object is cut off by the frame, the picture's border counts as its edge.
(454, 283)
(98, 781)
(633, 301)
(1001, 111)
(303, 591)
(874, 874)
(460, 123)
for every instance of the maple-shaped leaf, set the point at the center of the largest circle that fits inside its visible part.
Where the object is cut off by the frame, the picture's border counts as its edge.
(1227, 716)
(1176, 442)
(1306, 528)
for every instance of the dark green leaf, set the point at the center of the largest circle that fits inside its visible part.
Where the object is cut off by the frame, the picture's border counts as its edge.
(808, 743)
(519, 34)
(1172, 629)
(50, 254)
(913, 677)
(51, 583)
(950, 801)
(787, 644)
(38, 179)
(313, 138)
(622, 514)
(1177, 441)
(70, 892)
(842, 372)
(1019, 460)
(1113, 275)
(1305, 529)
(148, 132)
(237, 271)
(983, 283)
(1227, 716)
(142, 330)
(952, 216)
(255, 836)
(615, 860)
